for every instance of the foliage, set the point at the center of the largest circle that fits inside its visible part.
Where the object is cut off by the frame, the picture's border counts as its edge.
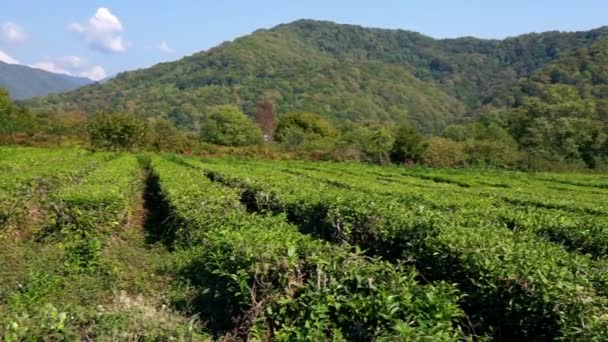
(117, 131)
(84, 212)
(296, 129)
(485, 129)
(547, 90)
(26, 173)
(559, 112)
(338, 71)
(228, 126)
(441, 230)
(277, 283)
(485, 143)
(20, 126)
(13, 118)
(297, 250)
(65, 275)
(492, 154)
(409, 145)
(167, 138)
(372, 141)
(442, 152)
(563, 130)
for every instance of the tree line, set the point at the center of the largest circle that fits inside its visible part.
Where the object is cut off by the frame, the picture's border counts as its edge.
(557, 130)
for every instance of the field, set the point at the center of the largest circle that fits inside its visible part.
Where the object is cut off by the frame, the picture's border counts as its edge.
(105, 246)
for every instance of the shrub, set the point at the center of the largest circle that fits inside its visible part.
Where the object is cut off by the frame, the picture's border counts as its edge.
(492, 153)
(167, 138)
(298, 129)
(373, 142)
(442, 152)
(117, 131)
(409, 145)
(229, 126)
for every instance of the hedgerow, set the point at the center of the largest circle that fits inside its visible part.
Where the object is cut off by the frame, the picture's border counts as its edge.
(517, 286)
(28, 174)
(280, 284)
(84, 213)
(289, 250)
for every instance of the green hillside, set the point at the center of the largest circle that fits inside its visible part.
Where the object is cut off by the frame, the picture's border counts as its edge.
(338, 71)
(24, 82)
(584, 72)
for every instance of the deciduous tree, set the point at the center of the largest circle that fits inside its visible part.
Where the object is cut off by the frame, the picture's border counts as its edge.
(117, 131)
(229, 126)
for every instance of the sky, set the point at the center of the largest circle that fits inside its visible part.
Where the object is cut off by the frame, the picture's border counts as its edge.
(96, 39)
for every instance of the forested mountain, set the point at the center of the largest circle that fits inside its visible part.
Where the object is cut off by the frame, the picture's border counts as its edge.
(349, 72)
(24, 82)
(562, 109)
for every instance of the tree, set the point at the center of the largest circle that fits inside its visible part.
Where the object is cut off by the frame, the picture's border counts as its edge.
(13, 118)
(409, 145)
(594, 148)
(442, 152)
(117, 131)
(559, 126)
(482, 129)
(485, 142)
(266, 119)
(493, 153)
(229, 126)
(166, 137)
(456, 132)
(374, 141)
(296, 129)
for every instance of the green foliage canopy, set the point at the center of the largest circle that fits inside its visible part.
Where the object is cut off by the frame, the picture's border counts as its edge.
(117, 131)
(297, 129)
(409, 145)
(12, 117)
(229, 126)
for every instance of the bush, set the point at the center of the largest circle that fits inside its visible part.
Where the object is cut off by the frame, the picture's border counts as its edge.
(117, 131)
(373, 142)
(229, 126)
(13, 118)
(442, 152)
(167, 138)
(492, 153)
(258, 276)
(301, 129)
(409, 145)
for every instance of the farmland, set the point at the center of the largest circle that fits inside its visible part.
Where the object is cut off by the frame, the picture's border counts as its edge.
(108, 246)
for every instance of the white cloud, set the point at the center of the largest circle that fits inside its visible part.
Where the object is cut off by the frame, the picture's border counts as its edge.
(164, 47)
(102, 32)
(50, 67)
(72, 66)
(73, 61)
(62, 65)
(4, 57)
(96, 73)
(13, 32)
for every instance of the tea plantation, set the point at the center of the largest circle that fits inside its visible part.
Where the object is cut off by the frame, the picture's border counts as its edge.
(106, 246)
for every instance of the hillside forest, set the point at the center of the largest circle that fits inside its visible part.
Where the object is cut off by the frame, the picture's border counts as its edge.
(320, 90)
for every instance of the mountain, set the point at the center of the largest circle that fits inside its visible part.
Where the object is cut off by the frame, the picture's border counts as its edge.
(24, 82)
(339, 71)
(582, 74)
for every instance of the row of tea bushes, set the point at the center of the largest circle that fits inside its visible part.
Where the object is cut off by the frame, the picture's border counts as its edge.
(280, 284)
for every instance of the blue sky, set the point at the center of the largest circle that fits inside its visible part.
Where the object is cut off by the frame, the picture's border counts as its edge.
(98, 38)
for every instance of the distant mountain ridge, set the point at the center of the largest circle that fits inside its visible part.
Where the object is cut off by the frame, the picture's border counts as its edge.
(25, 82)
(339, 71)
